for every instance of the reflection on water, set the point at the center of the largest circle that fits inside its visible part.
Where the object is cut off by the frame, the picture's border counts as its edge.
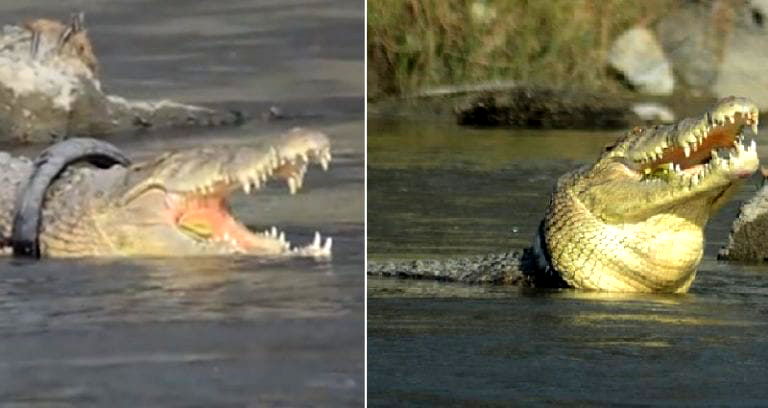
(219, 331)
(436, 190)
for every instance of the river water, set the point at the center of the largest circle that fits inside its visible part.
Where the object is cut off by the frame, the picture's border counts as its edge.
(437, 190)
(219, 331)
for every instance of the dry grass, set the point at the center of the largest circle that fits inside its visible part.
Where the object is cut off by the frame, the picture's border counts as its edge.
(414, 44)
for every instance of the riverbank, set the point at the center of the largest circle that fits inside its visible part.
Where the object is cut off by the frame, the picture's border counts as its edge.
(413, 45)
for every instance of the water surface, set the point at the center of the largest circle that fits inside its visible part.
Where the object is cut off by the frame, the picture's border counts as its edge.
(437, 190)
(218, 331)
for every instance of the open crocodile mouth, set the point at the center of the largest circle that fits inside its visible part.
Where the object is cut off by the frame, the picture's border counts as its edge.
(696, 148)
(203, 212)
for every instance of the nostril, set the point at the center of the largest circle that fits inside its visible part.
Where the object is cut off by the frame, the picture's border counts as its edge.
(758, 18)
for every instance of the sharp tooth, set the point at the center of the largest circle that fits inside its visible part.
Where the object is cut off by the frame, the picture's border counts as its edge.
(753, 145)
(292, 185)
(282, 237)
(677, 168)
(316, 243)
(730, 119)
(687, 150)
(324, 163)
(327, 246)
(273, 232)
(247, 188)
(754, 127)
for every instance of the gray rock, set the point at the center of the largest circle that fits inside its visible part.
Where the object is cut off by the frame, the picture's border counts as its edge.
(719, 47)
(745, 56)
(686, 36)
(748, 240)
(638, 56)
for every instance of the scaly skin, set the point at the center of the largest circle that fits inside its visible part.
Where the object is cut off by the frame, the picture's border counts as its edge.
(49, 89)
(634, 220)
(173, 205)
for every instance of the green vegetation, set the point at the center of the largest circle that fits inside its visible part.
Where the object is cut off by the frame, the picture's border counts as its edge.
(413, 44)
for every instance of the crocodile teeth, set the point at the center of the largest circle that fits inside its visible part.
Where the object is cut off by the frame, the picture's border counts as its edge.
(687, 150)
(292, 185)
(324, 163)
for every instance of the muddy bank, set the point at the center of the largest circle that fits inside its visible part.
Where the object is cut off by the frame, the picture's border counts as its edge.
(529, 107)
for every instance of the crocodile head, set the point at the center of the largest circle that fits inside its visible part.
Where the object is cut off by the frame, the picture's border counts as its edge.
(645, 202)
(686, 168)
(177, 204)
(70, 42)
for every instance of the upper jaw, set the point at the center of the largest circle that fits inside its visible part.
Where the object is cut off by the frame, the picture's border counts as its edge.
(197, 180)
(713, 146)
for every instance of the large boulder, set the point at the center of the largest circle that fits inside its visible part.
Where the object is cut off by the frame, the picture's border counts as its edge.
(640, 59)
(719, 47)
(745, 55)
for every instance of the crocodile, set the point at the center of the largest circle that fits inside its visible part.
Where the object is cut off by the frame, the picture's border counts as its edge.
(175, 204)
(631, 222)
(50, 89)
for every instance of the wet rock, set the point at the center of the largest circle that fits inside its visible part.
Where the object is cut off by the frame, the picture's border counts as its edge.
(639, 58)
(538, 108)
(748, 240)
